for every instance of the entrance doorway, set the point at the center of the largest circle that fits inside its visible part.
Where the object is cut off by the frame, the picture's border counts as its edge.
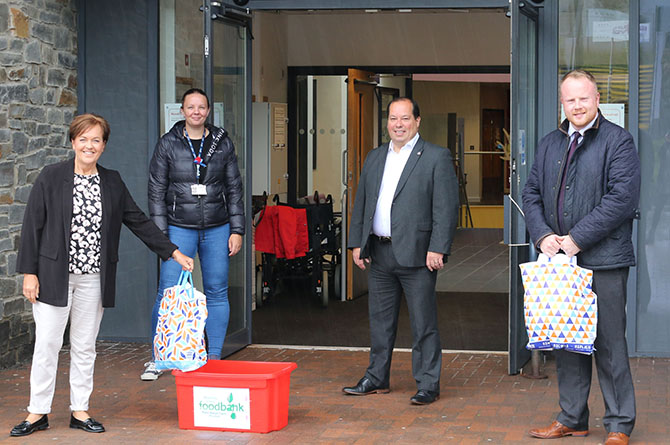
(334, 122)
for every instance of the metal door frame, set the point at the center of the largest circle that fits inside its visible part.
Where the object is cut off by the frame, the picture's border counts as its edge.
(521, 162)
(235, 16)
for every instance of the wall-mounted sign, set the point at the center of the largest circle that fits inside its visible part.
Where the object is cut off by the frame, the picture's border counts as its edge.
(615, 113)
(645, 32)
(612, 30)
(218, 114)
(172, 115)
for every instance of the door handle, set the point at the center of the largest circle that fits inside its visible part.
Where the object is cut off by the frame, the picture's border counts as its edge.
(344, 167)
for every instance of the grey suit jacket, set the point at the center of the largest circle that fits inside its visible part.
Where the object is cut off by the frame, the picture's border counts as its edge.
(425, 206)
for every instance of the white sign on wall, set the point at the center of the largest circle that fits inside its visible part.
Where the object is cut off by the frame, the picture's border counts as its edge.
(615, 113)
(218, 114)
(645, 32)
(221, 408)
(611, 30)
(172, 115)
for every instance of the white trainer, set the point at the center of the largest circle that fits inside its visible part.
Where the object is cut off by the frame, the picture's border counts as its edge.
(150, 371)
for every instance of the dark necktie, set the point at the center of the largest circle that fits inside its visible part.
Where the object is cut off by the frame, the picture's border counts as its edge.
(561, 193)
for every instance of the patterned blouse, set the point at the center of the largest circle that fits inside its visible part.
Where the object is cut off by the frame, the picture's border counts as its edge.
(86, 223)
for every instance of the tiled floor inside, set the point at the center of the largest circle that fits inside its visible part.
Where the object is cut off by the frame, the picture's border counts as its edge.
(479, 262)
(471, 296)
(469, 321)
(480, 403)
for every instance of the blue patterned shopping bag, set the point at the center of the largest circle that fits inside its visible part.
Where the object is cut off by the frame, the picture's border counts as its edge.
(179, 341)
(560, 307)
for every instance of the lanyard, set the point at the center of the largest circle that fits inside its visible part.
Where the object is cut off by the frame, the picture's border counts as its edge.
(197, 160)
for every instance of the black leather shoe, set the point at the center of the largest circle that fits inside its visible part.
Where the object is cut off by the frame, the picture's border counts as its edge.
(89, 425)
(24, 428)
(424, 397)
(365, 387)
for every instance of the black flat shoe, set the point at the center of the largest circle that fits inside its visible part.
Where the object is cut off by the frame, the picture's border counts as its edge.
(424, 397)
(365, 387)
(24, 428)
(89, 425)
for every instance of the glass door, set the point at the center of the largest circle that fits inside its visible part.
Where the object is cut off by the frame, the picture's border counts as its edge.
(523, 137)
(227, 82)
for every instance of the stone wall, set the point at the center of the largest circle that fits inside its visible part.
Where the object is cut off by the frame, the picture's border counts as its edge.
(38, 99)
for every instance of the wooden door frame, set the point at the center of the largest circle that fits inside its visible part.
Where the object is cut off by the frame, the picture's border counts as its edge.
(294, 72)
(491, 159)
(361, 101)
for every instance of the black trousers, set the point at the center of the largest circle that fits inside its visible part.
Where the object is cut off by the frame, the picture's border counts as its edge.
(611, 356)
(386, 282)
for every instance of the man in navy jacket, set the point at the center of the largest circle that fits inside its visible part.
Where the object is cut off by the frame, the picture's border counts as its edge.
(581, 198)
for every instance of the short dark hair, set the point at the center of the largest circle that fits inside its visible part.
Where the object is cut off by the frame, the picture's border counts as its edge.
(415, 106)
(84, 122)
(579, 74)
(194, 91)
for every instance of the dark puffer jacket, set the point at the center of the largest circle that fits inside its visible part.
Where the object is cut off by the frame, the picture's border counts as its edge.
(172, 172)
(601, 197)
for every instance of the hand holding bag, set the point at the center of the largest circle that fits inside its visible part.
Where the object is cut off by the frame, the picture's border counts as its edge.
(179, 341)
(560, 307)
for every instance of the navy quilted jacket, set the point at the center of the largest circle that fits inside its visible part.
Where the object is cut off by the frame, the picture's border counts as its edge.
(601, 196)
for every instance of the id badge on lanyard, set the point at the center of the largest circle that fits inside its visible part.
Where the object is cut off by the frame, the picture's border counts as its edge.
(197, 189)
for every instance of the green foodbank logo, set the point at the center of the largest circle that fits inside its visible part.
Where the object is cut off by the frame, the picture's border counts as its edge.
(222, 407)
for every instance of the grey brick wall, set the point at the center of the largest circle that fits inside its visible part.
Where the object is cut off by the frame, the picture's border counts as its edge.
(38, 99)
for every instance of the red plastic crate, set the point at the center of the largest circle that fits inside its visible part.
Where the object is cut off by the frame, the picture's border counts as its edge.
(220, 389)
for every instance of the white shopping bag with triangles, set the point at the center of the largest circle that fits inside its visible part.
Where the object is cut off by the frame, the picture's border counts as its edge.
(560, 308)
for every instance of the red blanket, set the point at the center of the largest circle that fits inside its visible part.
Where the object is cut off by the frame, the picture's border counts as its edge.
(282, 231)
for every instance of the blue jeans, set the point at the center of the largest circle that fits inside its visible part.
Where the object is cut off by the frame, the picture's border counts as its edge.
(211, 245)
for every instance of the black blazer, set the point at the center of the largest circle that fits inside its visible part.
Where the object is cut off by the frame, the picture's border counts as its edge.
(424, 213)
(45, 235)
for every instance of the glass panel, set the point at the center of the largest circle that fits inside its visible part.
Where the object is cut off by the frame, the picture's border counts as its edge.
(181, 68)
(593, 35)
(653, 299)
(328, 135)
(181, 57)
(229, 103)
(523, 127)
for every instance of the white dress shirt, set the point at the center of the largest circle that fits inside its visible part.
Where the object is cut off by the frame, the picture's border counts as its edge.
(395, 163)
(572, 129)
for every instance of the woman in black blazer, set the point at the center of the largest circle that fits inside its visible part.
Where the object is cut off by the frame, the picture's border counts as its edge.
(68, 255)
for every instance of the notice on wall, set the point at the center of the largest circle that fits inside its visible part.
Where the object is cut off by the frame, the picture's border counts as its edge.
(218, 114)
(221, 408)
(615, 113)
(610, 31)
(171, 115)
(645, 32)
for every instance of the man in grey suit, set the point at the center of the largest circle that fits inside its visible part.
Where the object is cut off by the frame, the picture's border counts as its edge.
(403, 223)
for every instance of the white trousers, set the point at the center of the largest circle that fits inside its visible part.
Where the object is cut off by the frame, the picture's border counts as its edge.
(84, 309)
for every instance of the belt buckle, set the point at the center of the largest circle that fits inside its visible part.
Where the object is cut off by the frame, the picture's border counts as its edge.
(384, 239)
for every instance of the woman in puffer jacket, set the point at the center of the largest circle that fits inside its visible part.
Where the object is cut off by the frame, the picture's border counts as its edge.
(196, 197)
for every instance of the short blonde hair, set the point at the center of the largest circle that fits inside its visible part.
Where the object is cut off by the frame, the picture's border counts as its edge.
(83, 122)
(579, 74)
